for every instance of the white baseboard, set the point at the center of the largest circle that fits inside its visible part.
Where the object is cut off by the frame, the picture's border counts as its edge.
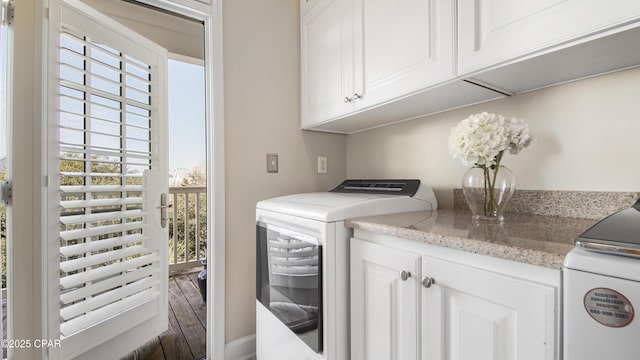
(241, 349)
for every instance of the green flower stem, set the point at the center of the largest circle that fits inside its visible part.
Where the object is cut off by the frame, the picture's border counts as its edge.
(491, 206)
(487, 189)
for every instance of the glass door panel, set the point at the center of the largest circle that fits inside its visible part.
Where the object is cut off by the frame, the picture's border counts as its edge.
(289, 280)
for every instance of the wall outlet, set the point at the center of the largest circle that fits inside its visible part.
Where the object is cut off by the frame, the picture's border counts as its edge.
(322, 165)
(272, 163)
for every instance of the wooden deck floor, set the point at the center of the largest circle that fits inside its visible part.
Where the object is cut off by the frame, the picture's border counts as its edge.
(186, 337)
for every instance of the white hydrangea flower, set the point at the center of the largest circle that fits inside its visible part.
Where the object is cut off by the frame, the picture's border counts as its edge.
(519, 135)
(480, 138)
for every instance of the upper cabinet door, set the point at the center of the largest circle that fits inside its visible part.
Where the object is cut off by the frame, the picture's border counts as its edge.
(401, 48)
(491, 32)
(358, 54)
(326, 52)
(305, 5)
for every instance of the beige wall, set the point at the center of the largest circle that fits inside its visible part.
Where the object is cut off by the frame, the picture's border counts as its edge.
(262, 115)
(587, 135)
(261, 61)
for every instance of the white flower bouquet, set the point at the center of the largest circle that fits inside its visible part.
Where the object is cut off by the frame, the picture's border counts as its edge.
(481, 140)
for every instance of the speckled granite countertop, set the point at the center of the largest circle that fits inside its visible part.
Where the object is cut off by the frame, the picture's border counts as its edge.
(540, 226)
(532, 239)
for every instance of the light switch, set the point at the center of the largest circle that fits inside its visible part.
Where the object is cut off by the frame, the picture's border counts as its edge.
(272, 163)
(322, 165)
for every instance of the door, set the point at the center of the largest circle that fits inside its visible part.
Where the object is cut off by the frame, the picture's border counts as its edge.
(5, 171)
(326, 56)
(401, 49)
(107, 185)
(289, 280)
(493, 32)
(384, 302)
(472, 314)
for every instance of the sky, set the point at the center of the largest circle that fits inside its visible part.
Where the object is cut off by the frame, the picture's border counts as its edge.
(186, 115)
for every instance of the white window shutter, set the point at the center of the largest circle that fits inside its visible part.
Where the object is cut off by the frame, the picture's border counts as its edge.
(111, 171)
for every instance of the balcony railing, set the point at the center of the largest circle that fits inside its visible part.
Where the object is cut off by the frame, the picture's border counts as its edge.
(187, 227)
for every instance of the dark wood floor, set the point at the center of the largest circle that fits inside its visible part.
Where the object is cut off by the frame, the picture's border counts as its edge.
(186, 337)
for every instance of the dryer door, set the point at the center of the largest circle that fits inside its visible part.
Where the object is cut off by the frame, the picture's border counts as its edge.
(289, 280)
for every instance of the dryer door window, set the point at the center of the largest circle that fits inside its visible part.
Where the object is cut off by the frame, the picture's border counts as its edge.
(289, 280)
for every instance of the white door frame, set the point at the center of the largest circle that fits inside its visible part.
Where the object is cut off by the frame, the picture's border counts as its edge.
(28, 318)
(211, 16)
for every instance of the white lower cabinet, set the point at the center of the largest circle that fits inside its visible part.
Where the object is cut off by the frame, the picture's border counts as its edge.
(384, 302)
(469, 313)
(453, 309)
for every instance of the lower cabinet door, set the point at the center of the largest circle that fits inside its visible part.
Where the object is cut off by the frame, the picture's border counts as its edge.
(384, 302)
(473, 314)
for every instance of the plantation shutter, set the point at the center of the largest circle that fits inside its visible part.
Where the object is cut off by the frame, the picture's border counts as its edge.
(111, 173)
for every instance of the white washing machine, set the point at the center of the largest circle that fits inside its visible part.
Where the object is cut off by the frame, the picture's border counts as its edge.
(302, 264)
(601, 291)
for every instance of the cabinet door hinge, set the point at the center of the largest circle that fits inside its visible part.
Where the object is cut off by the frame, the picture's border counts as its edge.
(6, 12)
(6, 192)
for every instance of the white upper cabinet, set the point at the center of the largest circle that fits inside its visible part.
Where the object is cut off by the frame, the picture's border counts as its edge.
(359, 53)
(305, 5)
(367, 63)
(401, 48)
(326, 31)
(550, 41)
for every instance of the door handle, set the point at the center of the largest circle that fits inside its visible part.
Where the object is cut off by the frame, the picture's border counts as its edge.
(355, 97)
(405, 275)
(6, 192)
(428, 281)
(164, 210)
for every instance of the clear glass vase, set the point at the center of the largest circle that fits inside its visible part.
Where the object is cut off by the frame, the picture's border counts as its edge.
(487, 190)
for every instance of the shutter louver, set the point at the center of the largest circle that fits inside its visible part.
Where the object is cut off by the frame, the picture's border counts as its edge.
(105, 148)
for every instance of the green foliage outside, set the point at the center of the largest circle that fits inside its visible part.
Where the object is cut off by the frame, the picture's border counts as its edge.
(194, 178)
(104, 166)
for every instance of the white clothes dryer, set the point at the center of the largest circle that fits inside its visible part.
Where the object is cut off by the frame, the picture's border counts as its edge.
(302, 264)
(601, 290)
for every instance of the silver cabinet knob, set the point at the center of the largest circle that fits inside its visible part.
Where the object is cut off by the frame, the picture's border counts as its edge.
(355, 97)
(404, 275)
(428, 281)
